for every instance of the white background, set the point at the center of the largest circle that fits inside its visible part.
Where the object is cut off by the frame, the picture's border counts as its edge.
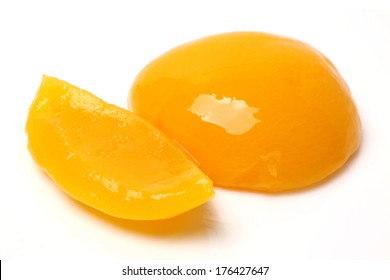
(101, 47)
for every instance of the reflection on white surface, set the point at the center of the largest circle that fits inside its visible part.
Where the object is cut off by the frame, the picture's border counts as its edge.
(235, 116)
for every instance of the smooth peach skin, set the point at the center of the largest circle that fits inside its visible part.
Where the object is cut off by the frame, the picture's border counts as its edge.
(256, 111)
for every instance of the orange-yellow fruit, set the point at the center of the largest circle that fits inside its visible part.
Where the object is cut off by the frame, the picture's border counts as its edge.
(109, 158)
(257, 111)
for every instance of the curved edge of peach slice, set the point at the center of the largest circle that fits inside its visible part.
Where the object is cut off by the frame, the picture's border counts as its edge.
(109, 158)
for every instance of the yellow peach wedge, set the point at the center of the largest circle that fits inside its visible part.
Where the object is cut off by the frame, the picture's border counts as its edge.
(109, 158)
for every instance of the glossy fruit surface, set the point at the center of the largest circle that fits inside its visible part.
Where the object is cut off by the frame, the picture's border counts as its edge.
(257, 111)
(109, 158)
